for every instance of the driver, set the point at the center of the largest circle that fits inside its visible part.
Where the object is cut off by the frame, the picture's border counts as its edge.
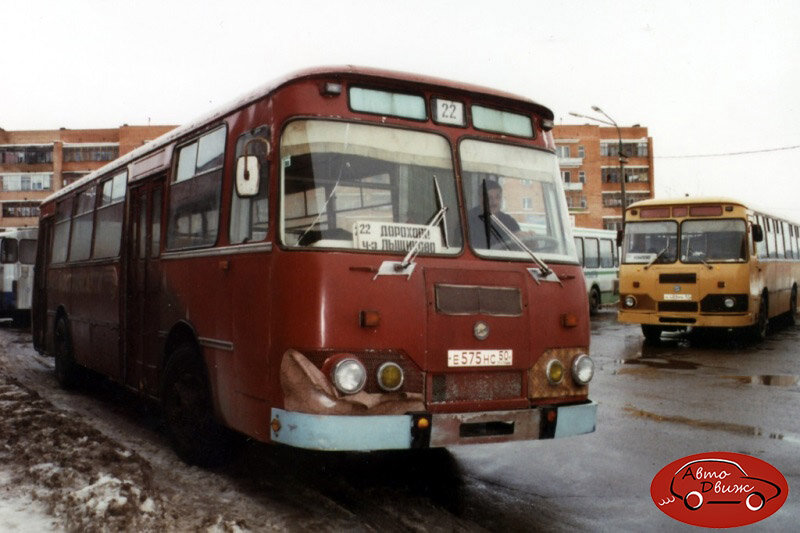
(477, 227)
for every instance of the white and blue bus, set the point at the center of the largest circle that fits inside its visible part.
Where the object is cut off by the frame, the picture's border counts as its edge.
(597, 252)
(17, 257)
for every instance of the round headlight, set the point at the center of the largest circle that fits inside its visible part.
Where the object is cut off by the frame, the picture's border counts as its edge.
(630, 301)
(349, 376)
(390, 376)
(582, 369)
(729, 302)
(555, 372)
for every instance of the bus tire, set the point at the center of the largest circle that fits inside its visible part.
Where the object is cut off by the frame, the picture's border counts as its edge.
(196, 436)
(652, 334)
(759, 330)
(594, 301)
(68, 372)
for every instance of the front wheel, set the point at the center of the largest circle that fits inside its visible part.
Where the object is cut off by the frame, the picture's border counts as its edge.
(758, 331)
(197, 437)
(594, 301)
(652, 334)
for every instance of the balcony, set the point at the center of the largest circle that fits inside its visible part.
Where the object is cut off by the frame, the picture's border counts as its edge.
(570, 162)
(571, 186)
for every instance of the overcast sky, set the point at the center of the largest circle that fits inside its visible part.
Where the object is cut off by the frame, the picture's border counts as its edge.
(706, 77)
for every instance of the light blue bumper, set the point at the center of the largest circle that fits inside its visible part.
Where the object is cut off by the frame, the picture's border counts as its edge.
(397, 432)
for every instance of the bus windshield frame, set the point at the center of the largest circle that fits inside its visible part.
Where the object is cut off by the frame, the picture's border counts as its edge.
(668, 241)
(366, 187)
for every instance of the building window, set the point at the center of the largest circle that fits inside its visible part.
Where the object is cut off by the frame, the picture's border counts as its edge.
(20, 209)
(76, 154)
(39, 181)
(26, 155)
(641, 149)
(581, 151)
(69, 178)
(527, 203)
(566, 175)
(582, 176)
(562, 151)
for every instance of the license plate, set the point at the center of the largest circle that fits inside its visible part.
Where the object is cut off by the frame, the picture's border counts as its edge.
(681, 297)
(479, 358)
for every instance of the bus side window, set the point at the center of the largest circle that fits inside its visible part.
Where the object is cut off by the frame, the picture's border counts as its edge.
(61, 231)
(591, 253)
(579, 249)
(8, 251)
(249, 215)
(606, 253)
(195, 192)
(110, 211)
(80, 246)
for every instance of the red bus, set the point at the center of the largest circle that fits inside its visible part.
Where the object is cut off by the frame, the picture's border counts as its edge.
(327, 263)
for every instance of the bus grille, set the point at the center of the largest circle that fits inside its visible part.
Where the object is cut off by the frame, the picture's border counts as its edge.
(474, 300)
(685, 307)
(678, 278)
(476, 386)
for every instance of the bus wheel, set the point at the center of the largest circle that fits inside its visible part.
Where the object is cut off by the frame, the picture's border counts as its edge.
(652, 334)
(758, 331)
(196, 436)
(68, 372)
(594, 301)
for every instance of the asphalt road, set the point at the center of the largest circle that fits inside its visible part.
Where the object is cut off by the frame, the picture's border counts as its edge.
(657, 404)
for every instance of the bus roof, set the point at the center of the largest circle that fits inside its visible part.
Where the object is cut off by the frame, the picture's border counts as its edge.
(687, 200)
(362, 74)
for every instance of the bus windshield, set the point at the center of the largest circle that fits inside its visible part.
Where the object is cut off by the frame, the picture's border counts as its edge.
(359, 186)
(522, 188)
(650, 242)
(713, 240)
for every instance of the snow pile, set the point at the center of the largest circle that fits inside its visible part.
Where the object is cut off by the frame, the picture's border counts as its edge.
(82, 478)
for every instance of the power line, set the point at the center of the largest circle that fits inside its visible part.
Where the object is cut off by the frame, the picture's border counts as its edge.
(782, 148)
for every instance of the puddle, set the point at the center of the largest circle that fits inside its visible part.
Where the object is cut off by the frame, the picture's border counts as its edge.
(769, 380)
(738, 429)
(653, 362)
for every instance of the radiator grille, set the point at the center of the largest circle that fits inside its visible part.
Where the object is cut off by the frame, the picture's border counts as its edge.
(685, 307)
(476, 386)
(475, 300)
(678, 278)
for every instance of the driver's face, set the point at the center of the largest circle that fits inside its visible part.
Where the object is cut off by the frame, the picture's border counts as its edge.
(495, 200)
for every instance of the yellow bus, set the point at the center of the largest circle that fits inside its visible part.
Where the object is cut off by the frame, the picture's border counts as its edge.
(707, 262)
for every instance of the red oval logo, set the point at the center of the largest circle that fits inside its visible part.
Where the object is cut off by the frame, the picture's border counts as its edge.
(719, 489)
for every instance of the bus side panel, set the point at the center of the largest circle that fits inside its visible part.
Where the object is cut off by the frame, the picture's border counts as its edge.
(40, 304)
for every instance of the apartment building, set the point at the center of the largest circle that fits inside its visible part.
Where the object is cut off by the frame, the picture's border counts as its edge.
(35, 163)
(589, 159)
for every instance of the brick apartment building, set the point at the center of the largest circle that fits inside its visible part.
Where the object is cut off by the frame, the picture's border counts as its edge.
(33, 164)
(589, 161)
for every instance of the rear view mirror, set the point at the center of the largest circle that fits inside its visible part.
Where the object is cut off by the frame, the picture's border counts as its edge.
(248, 173)
(758, 233)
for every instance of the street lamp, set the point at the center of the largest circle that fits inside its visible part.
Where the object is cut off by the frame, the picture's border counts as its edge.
(612, 122)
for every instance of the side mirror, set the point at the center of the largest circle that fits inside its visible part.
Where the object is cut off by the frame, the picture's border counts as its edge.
(248, 172)
(758, 233)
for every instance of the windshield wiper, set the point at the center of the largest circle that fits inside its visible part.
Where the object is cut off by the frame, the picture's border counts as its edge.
(656, 258)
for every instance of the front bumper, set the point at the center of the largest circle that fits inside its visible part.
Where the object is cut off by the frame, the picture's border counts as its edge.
(398, 432)
(733, 320)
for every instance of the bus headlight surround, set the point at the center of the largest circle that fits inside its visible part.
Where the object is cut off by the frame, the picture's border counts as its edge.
(630, 301)
(729, 302)
(349, 376)
(390, 376)
(582, 369)
(555, 372)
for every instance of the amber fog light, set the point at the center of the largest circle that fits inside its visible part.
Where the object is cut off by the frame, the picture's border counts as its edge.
(630, 301)
(349, 376)
(555, 372)
(390, 376)
(582, 369)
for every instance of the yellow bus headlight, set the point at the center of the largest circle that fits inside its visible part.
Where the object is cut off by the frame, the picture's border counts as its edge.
(630, 301)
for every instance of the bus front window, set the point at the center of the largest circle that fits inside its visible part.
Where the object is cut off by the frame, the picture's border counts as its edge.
(522, 186)
(366, 187)
(713, 241)
(650, 242)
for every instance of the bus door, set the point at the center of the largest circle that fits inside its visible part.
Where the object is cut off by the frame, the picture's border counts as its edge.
(143, 278)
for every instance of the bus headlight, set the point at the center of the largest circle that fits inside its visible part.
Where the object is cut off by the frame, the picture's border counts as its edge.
(555, 372)
(390, 376)
(349, 376)
(582, 369)
(729, 302)
(630, 301)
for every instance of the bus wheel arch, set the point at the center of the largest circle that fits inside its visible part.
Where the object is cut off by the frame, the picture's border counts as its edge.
(67, 371)
(760, 328)
(594, 300)
(188, 406)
